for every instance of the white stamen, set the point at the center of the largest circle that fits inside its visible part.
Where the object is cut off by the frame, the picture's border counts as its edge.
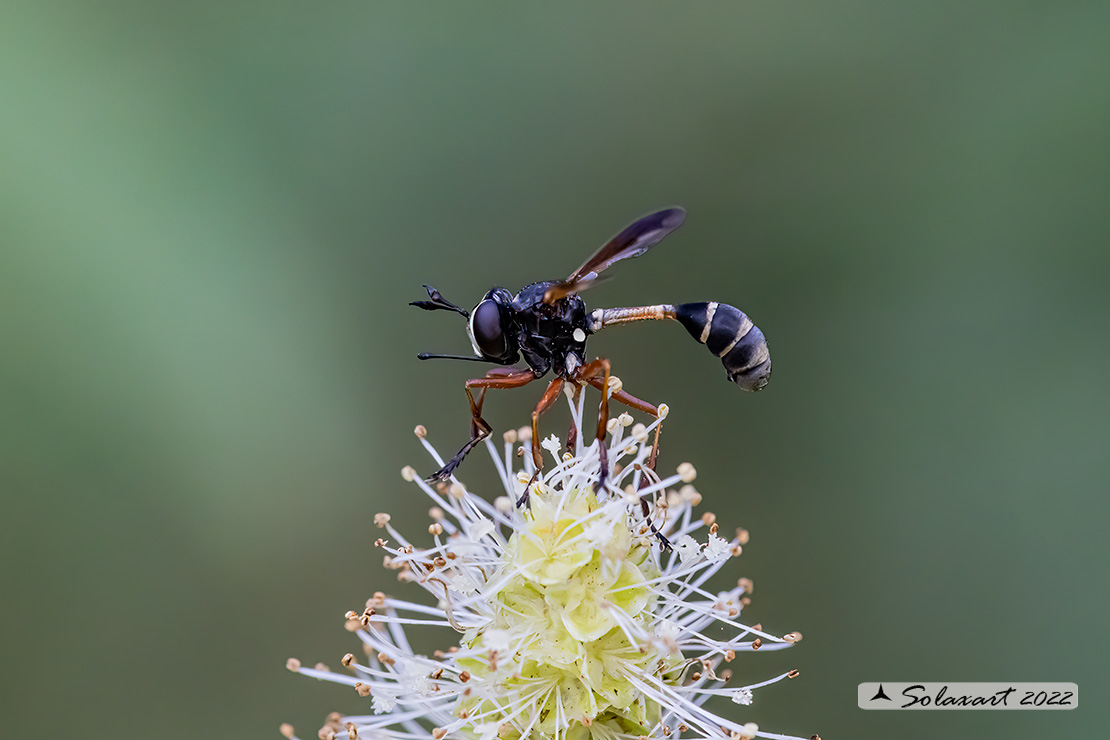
(541, 596)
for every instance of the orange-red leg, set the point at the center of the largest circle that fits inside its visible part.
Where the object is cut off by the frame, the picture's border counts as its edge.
(640, 405)
(635, 403)
(550, 396)
(479, 429)
(589, 373)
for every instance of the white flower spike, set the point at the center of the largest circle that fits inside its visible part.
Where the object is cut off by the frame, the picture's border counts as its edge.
(572, 623)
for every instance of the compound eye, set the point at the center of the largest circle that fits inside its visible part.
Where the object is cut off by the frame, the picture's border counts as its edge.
(486, 330)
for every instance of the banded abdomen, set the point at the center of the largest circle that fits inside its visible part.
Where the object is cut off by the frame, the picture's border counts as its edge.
(732, 336)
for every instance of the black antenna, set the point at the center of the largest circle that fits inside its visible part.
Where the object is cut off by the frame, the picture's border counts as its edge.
(430, 356)
(438, 303)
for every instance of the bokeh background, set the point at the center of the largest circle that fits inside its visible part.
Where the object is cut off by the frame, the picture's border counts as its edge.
(212, 216)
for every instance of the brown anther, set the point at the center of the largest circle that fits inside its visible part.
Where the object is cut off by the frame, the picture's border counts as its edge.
(464, 676)
(369, 611)
(436, 529)
(736, 551)
(815, 737)
(683, 727)
(714, 527)
(758, 627)
(463, 714)
(348, 659)
(695, 676)
(352, 625)
(757, 644)
(439, 733)
(286, 729)
(726, 674)
(792, 674)
(793, 637)
(742, 535)
(293, 665)
(362, 689)
(322, 667)
(407, 549)
(439, 562)
(708, 518)
(382, 519)
(352, 732)
(437, 674)
(351, 615)
(420, 431)
(730, 655)
(382, 543)
(364, 620)
(666, 731)
(451, 555)
(386, 659)
(733, 611)
(378, 599)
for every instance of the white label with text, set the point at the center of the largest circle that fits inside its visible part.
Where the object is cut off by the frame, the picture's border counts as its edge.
(940, 695)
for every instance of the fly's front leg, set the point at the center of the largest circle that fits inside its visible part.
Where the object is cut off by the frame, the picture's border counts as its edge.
(476, 405)
(479, 429)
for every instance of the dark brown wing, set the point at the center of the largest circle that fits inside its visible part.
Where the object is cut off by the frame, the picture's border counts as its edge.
(637, 238)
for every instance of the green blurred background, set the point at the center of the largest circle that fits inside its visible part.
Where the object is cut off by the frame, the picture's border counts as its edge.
(212, 216)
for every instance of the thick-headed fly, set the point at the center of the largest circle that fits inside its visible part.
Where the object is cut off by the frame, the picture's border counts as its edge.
(547, 324)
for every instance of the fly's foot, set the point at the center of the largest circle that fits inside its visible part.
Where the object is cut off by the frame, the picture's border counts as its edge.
(446, 471)
(523, 500)
(603, 462)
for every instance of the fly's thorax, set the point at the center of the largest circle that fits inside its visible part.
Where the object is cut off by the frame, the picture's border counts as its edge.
(552, 336)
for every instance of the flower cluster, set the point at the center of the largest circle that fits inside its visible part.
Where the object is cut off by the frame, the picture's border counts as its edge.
(572, 620)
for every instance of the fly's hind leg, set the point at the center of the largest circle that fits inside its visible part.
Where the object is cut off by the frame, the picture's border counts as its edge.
(631, 401)
(479, 429)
